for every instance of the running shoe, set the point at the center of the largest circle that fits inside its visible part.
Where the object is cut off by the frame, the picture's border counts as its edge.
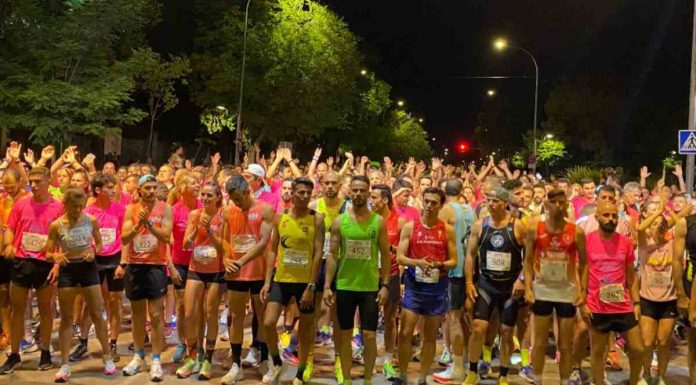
(448, 376)
(186, 369)
(503, 380)
(527, 373)
(484, 369)
(358, 356)
(252, 358)
(63, 374)
(13, 362)
(114, 352)
(79, 352)
(472, 379)
(156, 372)
(274, 374)
(445, 357)
(179, 353)
(233, 375)
(309, 369)
(285, 338)
(45, 362)
(290, 358)
(168, 331)
(206, 371)
(389, 372)
(109, 366)
(225, 335)
(614, 360)
(28, 345)
(338, 372)
(323, 339)
(575, 378)
(134, 366)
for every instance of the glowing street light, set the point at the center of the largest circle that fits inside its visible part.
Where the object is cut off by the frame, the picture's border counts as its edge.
(400, 103)
(491, 93)
(363, 72)
(500, 44)
(549, 136)
(221, 108)
(420, 120)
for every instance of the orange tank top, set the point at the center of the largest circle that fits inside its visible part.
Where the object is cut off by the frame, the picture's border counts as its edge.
(245, 232)
(145, 248)
(205, 258)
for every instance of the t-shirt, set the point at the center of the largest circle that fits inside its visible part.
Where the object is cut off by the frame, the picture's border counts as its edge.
(267, 196)
(462, 227)
(607, 261)
(110, 222)
(29, 221)
(358, 266)
(180, 214)
(407, 212)
(393, 233)
(578, 203)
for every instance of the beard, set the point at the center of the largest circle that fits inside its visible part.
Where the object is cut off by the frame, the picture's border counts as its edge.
(608, 227)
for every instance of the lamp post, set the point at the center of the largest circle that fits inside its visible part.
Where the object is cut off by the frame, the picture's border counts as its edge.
(502, 44)
(239, 137)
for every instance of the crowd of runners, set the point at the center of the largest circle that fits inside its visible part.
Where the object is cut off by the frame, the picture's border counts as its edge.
(329, 253)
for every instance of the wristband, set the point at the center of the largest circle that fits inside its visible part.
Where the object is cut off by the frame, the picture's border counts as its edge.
(122, 265)
(383, 286)
(311, 286)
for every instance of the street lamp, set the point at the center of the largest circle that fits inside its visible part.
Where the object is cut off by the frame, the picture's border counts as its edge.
(363, 72)
(491, 93)
(549, 136)
(221, 108)
(420, 120)
(502, 44)
(400, 103)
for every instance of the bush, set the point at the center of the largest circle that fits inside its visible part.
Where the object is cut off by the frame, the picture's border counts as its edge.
(577, 173)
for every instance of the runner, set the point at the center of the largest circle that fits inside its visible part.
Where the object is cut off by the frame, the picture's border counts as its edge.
(612, 303)
(246, 229)
(588, 196)
(73, 239)
(205, 280)
(298, 238)
(551, 281)
(462, 218)
(495, 245)
(26, 233)
(358, 239)
(109, 216)
(427, 248)
(382, 204)
(147, 229)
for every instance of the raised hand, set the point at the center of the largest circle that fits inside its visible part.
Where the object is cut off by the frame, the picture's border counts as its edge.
(47, 152)
(29, 156)
(644, 174)
(678, 171)
(14, 151)
(330, 161)
(215, 159)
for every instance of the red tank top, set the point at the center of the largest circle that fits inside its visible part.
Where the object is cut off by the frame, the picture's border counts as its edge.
(555, 248)
(428, 244)
(205, 258)
(245, 232)
(145, 248)
(393, 234)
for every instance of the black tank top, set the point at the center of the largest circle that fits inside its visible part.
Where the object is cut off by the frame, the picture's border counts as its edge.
(690, 246)
(500, 255)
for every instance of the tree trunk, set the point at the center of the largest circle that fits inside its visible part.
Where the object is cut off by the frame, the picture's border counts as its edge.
(149, 140)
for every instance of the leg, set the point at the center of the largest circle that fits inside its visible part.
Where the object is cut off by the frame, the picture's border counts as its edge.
(192, 312)
(66, 300)
(116, 306)
(306, 336)
(506, 333)
(635, 354)
(598, 347)
(45, 301)
(237, 301)
(580, 341)
(155, 309)
(691, 357)
(180, 315)
(270, 320)
(5, 309)
(407, 325)
(648, 329)
(95, 305)
(431, 325)
(138, 310)
(390, 330)
(565, 341)
(18, 302)
(479, 330)
(541, 329)
(664, 333)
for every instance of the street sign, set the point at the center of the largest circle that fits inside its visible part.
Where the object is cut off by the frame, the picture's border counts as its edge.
(687, 142)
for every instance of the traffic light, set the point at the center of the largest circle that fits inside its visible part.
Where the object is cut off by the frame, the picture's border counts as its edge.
(463, 147)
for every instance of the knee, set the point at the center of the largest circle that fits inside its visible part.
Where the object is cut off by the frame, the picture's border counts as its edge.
(662, 341)
(506, 333)
(479, 327)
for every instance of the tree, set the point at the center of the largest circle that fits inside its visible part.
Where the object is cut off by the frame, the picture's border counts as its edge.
(301, 69)
(406, 138)
(157, 78)
(549, 151)
(66, 67)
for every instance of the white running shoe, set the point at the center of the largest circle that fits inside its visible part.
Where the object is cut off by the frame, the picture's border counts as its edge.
(156, 372)
(235, 374)
(134, 366)
(252, 358)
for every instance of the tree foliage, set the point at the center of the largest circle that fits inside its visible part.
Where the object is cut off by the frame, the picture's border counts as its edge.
(67, 67)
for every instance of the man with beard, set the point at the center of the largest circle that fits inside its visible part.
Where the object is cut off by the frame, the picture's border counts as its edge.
(285, 195)
(612, 302)
(359, 242)
(538, 198)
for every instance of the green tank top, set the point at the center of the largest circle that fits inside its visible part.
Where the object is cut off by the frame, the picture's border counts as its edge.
(358, 258)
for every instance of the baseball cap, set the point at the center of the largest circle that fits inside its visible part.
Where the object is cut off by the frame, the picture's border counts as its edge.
(499, 193)
(255, 169)
(146, 179)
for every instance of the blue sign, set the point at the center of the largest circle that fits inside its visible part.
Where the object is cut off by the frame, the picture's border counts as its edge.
(687, 142)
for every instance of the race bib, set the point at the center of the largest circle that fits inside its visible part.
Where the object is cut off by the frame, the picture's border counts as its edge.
(429, 276)
(243, 243)
(33, 242)
(108, 236)
(295, 258)
(78, 238)
(144, 243)
(358, 249)
(327, 242)
(553, 271)
(204, 254)
(612, 293)
(498, 261)
(659, 279)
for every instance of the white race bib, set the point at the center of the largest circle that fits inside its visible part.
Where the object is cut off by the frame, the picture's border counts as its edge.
(431, 276)
(78, 238)
(498, 261)
(108, 236)
(659, 279)
(612, 293)
(33, 242)
(358, 249)
(295, 258)
(144, 243)
(553, 271)
(243, 243)
(204, 254)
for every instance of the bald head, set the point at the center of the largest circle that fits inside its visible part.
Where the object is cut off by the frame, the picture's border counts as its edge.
(607, 216)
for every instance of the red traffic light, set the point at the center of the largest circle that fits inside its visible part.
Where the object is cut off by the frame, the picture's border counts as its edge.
(463, 147)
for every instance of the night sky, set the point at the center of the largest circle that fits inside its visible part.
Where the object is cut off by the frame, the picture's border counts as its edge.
(422, 46)
(425, 48)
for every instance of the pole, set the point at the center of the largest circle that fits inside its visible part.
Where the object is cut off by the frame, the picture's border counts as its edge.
(239, 137)
(692, 107)
(536, 100)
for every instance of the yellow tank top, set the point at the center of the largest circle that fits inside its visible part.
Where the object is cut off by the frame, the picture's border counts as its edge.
(295, 248)
(330, 214)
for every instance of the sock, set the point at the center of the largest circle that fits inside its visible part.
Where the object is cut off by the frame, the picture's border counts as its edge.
(458, 362)
(277, 361)
(325, 329)
(524, 354)
(83, 341)
(473, 367)
(264, 351)
(504, 371)
(287, 328)
(201, 354)
(487, 352)
(388, 357)
(356, 332)
(209, 350)
(156, 356)
(300, 372)
(237, 354)
(141, 353)
(112, 342)
(191, 349)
